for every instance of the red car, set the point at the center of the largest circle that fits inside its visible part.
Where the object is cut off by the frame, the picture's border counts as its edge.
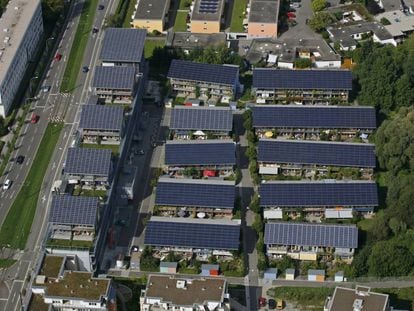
(58, 56)
(291, 15)
(262, 302)
(34, 118)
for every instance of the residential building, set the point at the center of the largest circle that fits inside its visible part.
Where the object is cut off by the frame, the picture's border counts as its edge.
(206, 16)
(315, 86)
(201, 122)
(209, 80)
(194, 197)
(101, 124)
(191, 41)
(311, 159)
(328, 198)
(114, 84)
(307, 241)
(21, 23)
(313, 122)
(175, 293)
(263, 18)
(360, 298)
(151, 15)
(401, 24)
(89, 168)
(74, 219)
(124, 47)
(210, 157)
(191, 236)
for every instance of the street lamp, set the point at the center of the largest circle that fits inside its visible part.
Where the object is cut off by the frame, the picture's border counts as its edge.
(47, 41)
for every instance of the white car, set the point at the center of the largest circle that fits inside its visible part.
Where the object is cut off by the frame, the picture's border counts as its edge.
(7, 184)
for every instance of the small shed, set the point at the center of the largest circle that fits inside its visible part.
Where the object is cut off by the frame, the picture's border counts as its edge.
(135, 260)
(168, 267)
(270, 274)
(290, 274)
(316, 275)
(339, 276)
(274, 213)
(210, 270)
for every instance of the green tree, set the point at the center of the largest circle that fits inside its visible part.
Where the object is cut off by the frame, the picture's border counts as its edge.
(3, 128)
(318, 5)
(320, 21)
(52, 9)
(303, 63)
(385, 21)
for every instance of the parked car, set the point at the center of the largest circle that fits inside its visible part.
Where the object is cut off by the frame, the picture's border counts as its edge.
(34, 118)
(279, 304)
(291, 15)
(46, 88)
(101, 7)
(262, 302)
(295, 5)
(95, 30)
(271, 304)
(7, 184)
(20, 159)
(85, 69)
(58, 56)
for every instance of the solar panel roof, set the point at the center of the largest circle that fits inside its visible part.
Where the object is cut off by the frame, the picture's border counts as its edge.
(114, 77)
(200, 152)
(195, 193)
(293, 116)
(99, 117)
(195, 233)
(317, 153)
(201, 118)
(318, 193)
(213, 73)
(123, 45)
(73, 210)
(306, 234)
(318, 79)
(88, 161)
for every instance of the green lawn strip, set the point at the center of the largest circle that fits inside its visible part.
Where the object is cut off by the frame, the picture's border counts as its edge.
(80, 41)
(130, 11)
(16, 226)
(150, 45)
(303, 296)
(189, 270)
(401, 298)
(237, 16)
(69, 244)
(5, 263)
(184, 4)
(180, 24)
(113, 148)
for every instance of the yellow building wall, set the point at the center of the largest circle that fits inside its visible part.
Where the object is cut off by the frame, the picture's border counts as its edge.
(307, 256)
(262, 30)
(150, 25)
(205, 26)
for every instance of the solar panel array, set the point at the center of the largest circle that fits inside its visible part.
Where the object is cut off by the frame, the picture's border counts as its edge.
(114, 77)
(212, 73)
(303, 194)
(200, 152)
(201, 118)
(195, 235)
(73, 210)
(317, 79)
(88, 161)
(304, 234)
(123, 45)
(195, 193)
(99, 117)
(316, 153)
(209, 6)
(323, 117)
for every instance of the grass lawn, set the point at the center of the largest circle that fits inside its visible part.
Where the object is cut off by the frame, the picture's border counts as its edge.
(189, 270)
(130, 11)
(304, 297)
(184, 4)
(237, 16)
(16, 226)
(401, 298)
(113, 148)
(90, 193)
(82, 35)
(5, 263)
(69, 244)
(180, 24)
(150, 45)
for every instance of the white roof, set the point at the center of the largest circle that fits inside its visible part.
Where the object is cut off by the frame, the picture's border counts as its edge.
(400, 22)
(342, 213)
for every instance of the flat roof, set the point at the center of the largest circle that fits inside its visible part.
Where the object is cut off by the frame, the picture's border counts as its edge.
(187, 40)
(201, 118)
(74, 210)
(318, 193)
(16, 22)
(197, 291)
(315, 79)
(401, 23)
(100, 117)
(114, 77)
(316, 153)
(208, 10)
(343, 299)
(51, 266)
(88, 161)
(323, 117)
(151, 9)
(309, 234)
(201, 72)
(266, 12)
(123, 45)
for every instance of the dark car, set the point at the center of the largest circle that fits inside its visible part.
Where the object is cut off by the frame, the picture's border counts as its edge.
(85, 69)
(95, 30)
(20, 159)
(271, 304)
(101, 7)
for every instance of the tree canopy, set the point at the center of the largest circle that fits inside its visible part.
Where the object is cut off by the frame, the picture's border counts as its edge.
(318, 5)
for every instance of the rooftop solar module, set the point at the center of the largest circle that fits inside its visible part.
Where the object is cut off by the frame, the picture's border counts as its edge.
(318, 193)
(123, 45)
(201, 118)
(316, 153)
(114, 77)
(212, 73)
(88, 161)
(194, 233)
(200, 152)
(323, 117)
(73, 210)
(315, 79)
(305, 234)
(195, 193)
(99, 117)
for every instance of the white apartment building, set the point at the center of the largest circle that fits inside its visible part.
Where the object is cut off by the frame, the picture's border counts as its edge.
(21, 29)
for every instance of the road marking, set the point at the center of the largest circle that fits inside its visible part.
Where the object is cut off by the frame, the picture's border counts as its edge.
(31, 139)
(12, 194)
